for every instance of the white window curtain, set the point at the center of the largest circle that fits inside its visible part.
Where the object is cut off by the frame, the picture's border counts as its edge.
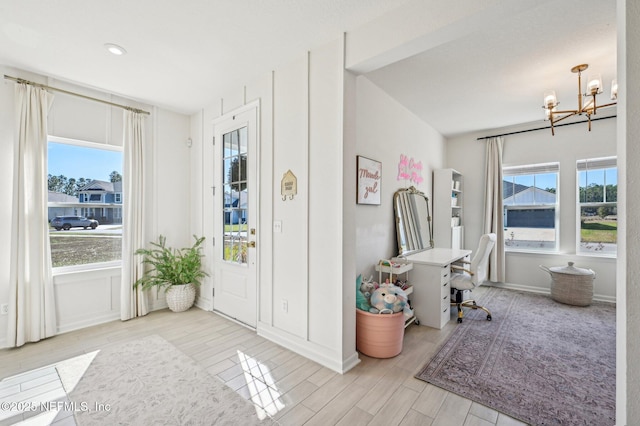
(32, 315)
(493, 219)
(133, 301)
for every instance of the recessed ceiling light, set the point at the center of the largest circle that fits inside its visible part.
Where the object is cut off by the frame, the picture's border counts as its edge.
(115, 49)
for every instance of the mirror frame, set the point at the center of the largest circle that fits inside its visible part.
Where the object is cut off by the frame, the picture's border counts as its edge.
(406, 224)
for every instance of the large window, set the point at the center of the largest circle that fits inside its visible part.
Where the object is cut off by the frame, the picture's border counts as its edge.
(598, 209)
(530, 201)
(85, 216)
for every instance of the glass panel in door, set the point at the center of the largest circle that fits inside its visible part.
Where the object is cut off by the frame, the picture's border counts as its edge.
(236, 196)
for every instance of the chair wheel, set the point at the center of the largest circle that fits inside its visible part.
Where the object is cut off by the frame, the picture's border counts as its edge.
(459, 320)
(488, 317)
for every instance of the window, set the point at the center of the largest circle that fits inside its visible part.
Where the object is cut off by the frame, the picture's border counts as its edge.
(530, 202)
(236, 195)
(117, 198)
(96, 235)
(598, 207)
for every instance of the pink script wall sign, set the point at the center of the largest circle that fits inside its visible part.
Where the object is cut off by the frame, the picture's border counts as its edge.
(409, 169)
(369, 178)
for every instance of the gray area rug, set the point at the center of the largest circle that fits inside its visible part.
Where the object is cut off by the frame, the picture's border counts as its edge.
(150, 382)
(539, 361)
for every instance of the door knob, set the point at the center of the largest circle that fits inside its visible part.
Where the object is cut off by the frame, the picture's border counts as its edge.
(252, 244)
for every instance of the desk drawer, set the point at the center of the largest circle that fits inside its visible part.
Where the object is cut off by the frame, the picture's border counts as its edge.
(445, 277)
(445, 290)
(445, 311)
(445, 302)
(445, 274)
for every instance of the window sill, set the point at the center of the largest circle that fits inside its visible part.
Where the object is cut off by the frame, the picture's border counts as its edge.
(88, 267)
(529, 251)
(559, 253)
(599, 256)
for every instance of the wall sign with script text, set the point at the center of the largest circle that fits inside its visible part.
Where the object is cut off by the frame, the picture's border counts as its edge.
(369, 180)
(410, 169)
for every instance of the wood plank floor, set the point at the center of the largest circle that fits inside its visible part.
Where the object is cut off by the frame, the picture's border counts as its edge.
(288, 387)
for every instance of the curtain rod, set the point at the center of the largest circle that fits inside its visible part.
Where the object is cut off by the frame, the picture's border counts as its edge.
(545, 128)
(55, 89)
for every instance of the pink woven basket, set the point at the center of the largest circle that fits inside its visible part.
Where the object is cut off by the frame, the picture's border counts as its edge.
(379, 335)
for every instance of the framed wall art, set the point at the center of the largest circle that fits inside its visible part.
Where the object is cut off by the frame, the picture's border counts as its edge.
(368, 180)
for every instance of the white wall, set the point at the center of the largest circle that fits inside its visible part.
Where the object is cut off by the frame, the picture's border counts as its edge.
(92, 297)
(570, 144)
(6, 175)
(386, 130)
(301, 129)
(628, 330)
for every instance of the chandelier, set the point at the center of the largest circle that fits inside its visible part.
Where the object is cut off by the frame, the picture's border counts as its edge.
(588, 106)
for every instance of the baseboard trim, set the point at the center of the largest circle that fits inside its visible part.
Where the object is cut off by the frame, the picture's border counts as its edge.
(510, 286)
(350, 362)
(539, 290)
(88, 322)
(320, 354)
(204, 303)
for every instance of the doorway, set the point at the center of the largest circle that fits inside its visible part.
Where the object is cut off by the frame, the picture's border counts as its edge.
(235, 215)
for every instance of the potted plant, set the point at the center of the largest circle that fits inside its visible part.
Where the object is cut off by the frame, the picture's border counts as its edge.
(178, 271)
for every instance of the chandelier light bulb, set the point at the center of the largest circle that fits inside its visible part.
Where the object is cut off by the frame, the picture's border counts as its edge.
(614, 89)
(550, 99)
(594, 85)
(588, 107)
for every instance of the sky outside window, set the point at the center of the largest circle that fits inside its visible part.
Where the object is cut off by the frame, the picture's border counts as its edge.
(76, 162)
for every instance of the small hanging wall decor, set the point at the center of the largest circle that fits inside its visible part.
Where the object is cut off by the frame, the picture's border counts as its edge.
(288, 185)
(369, 180)
(409, 169)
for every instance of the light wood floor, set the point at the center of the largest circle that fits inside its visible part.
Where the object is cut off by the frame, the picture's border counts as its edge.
(289, 387)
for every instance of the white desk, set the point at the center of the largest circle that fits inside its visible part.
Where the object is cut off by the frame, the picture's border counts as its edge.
(430, 279)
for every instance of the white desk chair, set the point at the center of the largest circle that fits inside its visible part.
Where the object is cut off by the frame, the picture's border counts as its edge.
(472, 277)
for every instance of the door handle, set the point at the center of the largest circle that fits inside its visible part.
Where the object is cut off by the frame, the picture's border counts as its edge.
(252, 244)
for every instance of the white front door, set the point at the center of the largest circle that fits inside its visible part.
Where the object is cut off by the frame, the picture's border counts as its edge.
(236, 215)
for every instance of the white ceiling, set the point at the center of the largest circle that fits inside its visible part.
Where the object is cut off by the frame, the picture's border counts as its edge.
(496, 77)
(180, 53)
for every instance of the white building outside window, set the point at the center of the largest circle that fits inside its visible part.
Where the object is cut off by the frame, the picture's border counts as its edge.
(530, 203)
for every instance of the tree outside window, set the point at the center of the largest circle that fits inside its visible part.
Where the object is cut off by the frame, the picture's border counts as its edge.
(598, 206)
(85, 184)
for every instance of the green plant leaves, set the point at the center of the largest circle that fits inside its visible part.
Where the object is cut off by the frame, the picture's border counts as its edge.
(169, 266)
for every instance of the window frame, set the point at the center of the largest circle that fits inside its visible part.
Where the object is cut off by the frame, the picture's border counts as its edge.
(84, 205)
(593, 164)
(532, 170)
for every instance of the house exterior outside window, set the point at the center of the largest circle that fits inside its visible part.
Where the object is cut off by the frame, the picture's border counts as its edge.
(108, 195)
(530, 203)
(74, 246)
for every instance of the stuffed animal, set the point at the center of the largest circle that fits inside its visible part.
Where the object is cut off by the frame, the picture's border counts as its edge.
(367, 288)
(388, 298)
(362, 301)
